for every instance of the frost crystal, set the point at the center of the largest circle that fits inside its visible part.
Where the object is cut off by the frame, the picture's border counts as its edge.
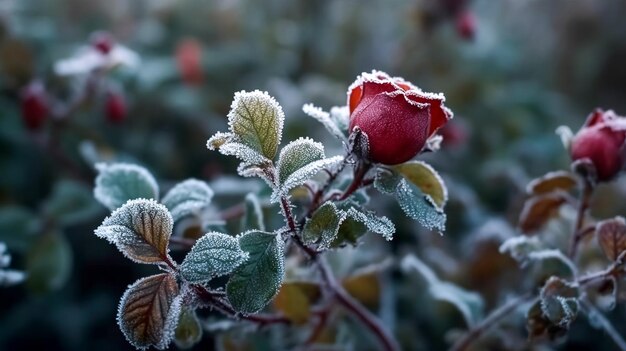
(325, 118)
(300, 176)
(323, 225)
(246, 154)
(119, 182)
(379, 225)
(187, 198)
(140, 229)
(213, 255)
(298, 154)
(419, 206)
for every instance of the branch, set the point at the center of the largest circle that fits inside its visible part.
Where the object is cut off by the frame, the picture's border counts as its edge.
(475, 333)
(583, 205)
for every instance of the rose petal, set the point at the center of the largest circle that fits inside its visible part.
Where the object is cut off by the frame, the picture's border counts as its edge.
(439, 114)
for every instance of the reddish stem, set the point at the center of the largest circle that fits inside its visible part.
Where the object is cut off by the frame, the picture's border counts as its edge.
(583, 206)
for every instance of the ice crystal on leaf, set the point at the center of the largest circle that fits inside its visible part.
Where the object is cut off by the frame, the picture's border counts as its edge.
(331, 124)
(188, 197)
(323, 225)
(140, 229)
(296, 155)
(305, 173)
(213, 255)
(119, 182)
(379, 225)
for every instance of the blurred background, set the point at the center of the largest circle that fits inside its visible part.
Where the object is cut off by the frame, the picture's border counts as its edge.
(511, 70)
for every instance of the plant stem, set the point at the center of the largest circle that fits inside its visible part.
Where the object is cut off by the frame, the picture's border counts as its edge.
(475, 333)
(357, 182)
(583, 205)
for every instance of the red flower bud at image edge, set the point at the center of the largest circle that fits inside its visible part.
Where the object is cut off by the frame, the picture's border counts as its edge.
(601, 140)
(397, 117)
(34, 106)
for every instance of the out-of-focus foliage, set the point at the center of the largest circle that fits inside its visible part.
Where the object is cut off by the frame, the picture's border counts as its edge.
(530, 67)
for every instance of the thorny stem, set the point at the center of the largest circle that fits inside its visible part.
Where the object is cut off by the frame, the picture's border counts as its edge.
(475, 333)
(337, 292)
(583, 205)
(357, 182)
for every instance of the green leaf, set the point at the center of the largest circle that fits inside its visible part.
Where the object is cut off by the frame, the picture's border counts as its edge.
(423, 176)
(71, 202)
(213, 255)
(119, 182)
(468, 303)
(149, 311)
(559, 301)
(349, 232)
(378, 225)
(257, 121)
(188, 331)
(140, 229)
(188, 197)
(296, 155)
(303, 174)
(386, 180)
(253, 214)
(49, 263)
(253, 284)
(322, 226)
(420, 207)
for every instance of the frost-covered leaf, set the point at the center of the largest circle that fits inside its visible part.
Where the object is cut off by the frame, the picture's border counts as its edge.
(188, 331)
(559, 301)
(71, 202)
(49, 263)
(611, 235)
(469, 303)
(539, 325)
(119, 182)
(552, 181)
(8, 277)
(305, 173)
(378, 225)
(149, 311)
(526, 250)
(187, 197)
(254, 283)
(323, 226)
(341, 116)
(257, 121)
(426, 179)
(386, 180)
(420, 207)
(325, 118)
(219, 139)
(296, 155)
(538, 210)
(253, 214)
(350, 230)
(140, 229)
(520, 247)
(213, 255)
(245, 153)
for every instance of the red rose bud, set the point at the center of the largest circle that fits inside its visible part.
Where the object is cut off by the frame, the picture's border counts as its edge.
(115, 108)
(397, 117)
(35, 106)
(189, 61)
(466, 25)
(102, 42)
(601, 140)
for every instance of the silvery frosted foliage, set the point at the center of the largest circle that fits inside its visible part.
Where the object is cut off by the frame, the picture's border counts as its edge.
(305, 173)
(298, 154)
(213, 255)
(149, 310)
(469, 303)
(335, 126)
(323, 226)
(526, 249)
(254, 283)
(8, 277)
(559, 301)
(140, 229)
(253, 217)
(119, 182)
(188, 197)
(379, 225)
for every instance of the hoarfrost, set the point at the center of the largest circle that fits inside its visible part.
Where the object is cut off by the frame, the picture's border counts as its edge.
(298, 154)
(188, 197)
(300, 176)
(119, 182)
(214, 254)
(326, 120)
(379, 225)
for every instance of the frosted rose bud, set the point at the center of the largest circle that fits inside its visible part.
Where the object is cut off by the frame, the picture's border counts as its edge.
(34, 106)
(397, 117)
(115, 107)
(601, 140)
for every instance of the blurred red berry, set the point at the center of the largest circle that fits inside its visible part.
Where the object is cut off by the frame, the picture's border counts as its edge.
(103, 42)
(397, 116)
(454, 134)
(466, 25)
(34, 105)
(601, 140)
(115, 108)
(189, 61)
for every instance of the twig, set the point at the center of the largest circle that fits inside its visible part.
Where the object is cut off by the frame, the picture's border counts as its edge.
(475, 333)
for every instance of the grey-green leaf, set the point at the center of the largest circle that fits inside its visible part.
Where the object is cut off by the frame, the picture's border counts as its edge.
(379, 225)
(71, 202)
(119, 182)
(322, 226)
(323, 117)
(305, 173)
(255, 283)
(420, 207)
(188, 197)
(213, 255)
(257, 121)
(298, 154)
